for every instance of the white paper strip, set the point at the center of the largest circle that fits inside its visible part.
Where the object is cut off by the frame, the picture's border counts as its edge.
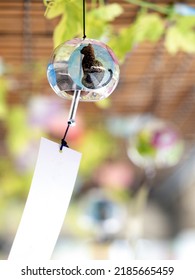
(47, 202)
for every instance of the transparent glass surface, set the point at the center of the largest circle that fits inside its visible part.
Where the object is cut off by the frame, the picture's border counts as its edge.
(156, 144)
(86, 65)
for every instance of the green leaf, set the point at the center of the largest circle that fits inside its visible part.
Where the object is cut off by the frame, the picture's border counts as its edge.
(106, 13)
(59, 32)
(95, 28)
(173, 40)
(54, 8)
(155, 7)
(148, 27)
(70, 25)
(181, 35)
(188, 44)
(185, 23)
(176, 40)
(122, 43)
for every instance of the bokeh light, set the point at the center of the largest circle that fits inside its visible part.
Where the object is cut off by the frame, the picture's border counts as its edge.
(156, 144)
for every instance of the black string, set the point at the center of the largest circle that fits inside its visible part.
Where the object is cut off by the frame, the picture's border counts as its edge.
(84, 35)
(63, 142)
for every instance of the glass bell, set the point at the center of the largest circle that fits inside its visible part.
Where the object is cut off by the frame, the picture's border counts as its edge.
(156, 144)
(87, 66)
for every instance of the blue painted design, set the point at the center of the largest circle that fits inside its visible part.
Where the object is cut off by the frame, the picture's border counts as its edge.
(51, 74)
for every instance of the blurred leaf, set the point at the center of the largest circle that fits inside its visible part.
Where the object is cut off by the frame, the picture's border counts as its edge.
(176, 40)
(152, 6)
(13, 183)
(148, 27)
(95, 28)
(59, 34)
(54, 8)
(3, 94)
(96, 146)
(185, 23)
(122, 43)
(180, 36)
(106, 13)
(173, 40)
(70, 24)
(19, 132)
(97, 20)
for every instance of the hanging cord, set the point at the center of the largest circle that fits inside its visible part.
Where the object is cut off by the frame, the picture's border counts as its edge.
(84, 35)
(75, 100)
(63, 142)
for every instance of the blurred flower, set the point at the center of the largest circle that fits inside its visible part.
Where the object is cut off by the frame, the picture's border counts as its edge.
(115, 174)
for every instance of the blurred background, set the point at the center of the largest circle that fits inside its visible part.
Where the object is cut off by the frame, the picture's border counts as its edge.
(135, 192)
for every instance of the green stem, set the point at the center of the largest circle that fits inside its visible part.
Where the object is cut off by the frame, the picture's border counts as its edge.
(151, 6)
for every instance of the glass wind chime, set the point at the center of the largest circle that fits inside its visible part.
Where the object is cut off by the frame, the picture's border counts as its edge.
(82, 69)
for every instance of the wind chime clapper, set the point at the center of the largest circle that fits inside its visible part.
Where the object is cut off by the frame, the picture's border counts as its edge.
(71, 118)
(82, 70)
